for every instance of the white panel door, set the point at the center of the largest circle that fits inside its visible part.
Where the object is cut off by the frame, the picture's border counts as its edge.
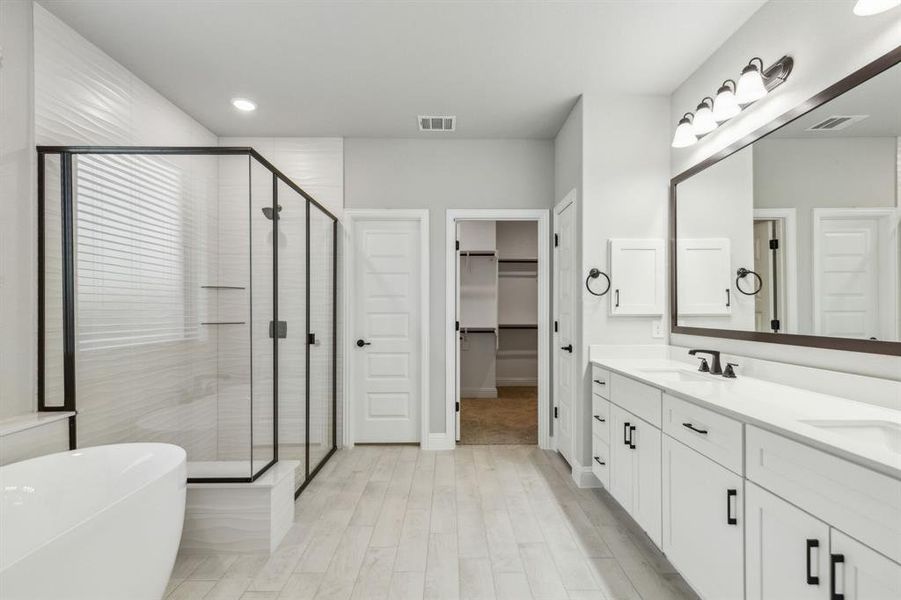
(637, 279)
(458, 374)
(702, 522)
(861, 573)
(387, 309)
(705, 276)
(787, 550)
(565, 286)
(855, 258)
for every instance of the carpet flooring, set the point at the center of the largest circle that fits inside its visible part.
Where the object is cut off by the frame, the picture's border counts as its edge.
(511, 418)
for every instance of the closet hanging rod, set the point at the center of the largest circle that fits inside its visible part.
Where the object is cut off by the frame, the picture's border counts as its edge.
(222, 287)
(477, 253)
(477, 330)
(518, 260)
(517, 326)
(222, 323)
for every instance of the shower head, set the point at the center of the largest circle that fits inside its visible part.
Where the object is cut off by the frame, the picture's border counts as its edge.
(267, 210)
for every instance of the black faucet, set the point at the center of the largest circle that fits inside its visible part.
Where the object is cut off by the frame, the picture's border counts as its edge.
(716, 368)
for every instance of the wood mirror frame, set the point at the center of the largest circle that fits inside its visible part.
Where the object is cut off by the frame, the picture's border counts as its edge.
(849, 344)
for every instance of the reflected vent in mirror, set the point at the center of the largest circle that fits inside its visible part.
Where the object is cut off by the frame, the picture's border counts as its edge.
(437, 123)
(836, 122)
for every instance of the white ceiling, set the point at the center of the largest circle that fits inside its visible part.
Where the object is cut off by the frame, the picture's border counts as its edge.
(506, 69)
(879, 98)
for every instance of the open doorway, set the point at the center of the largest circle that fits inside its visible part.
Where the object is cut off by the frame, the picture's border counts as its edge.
(499, 328)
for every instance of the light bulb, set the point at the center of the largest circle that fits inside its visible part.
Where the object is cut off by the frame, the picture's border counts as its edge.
(243, 104)
(750, 86)
(704, 122)
(865, 8)
(685, 135)
(725, 106)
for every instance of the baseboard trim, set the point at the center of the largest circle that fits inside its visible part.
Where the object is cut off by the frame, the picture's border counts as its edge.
(584, 478)
(517, 381)
(438, 441)
(486, 392)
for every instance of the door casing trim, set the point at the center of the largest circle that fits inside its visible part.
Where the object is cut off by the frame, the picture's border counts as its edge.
(542, 218)
(351, 215)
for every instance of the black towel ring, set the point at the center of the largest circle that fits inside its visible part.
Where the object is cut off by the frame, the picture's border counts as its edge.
(742, 273)
(594, 274)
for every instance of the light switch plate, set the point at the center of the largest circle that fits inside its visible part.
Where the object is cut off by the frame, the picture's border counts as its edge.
(657, 328)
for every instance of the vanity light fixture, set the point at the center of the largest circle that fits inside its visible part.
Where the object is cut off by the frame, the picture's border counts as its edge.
(704, 122)
(750, 86)
(685, 135)
(244, 105)
(865, 8)
(731, 98)
(725, 106)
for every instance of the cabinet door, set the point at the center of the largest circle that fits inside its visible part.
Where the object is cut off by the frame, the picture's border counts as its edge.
(621, 457)
(861, 573)
(786, 549)
(646, 486)
(636, 277)
(705, 276)
(702, 522)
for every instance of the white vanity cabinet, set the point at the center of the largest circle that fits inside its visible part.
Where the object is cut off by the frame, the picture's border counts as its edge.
(703, 521)
(787, 550)
(861, 573)
(635, 468)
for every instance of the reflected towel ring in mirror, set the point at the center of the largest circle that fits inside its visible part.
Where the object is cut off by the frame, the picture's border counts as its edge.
(594, 274)
(742, 273)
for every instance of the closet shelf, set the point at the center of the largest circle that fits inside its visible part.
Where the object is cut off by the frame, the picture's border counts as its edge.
(478, 253)
(518, 326)
(517, 260)
(222, 323)
(222, 287)
(478, 330)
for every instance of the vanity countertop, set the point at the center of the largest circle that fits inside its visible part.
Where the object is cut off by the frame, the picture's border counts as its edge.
(778, 408)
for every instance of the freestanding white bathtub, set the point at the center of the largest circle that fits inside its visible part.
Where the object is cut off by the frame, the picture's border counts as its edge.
(100, 523)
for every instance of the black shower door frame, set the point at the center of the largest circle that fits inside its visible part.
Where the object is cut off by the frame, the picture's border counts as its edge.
(67, 231)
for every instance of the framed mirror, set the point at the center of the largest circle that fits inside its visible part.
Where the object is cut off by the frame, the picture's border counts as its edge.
(792, 235)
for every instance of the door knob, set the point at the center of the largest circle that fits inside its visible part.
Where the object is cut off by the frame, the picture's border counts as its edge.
(361, 343)
(568, 348)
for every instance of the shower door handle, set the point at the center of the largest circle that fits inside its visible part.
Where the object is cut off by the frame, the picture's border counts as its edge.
(361, 343)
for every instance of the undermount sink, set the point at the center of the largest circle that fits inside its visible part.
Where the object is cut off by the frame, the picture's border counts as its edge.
(678, 375)
(882, 433)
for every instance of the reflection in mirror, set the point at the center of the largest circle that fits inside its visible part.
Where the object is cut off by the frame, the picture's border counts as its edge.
(798, 232)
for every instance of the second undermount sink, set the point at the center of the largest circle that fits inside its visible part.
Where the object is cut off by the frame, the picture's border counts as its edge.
(680, 375)
(885, 434)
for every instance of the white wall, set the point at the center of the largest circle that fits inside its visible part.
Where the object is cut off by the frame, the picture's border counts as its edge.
(625, 189)
(18, 262)
(441, 174)
(827, 42)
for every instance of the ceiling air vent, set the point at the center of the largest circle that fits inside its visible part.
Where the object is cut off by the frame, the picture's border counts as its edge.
(437, 123)
(836, 122)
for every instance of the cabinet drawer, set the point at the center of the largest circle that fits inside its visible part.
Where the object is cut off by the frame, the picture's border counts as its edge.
(713, 435)
(641, 400)
(600, 381)
(600, 461)
(600, 419)
(862, 503)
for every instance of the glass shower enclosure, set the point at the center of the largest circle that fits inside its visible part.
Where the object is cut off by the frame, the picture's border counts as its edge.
(187, 295)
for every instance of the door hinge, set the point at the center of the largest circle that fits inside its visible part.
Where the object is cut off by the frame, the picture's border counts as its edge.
(278, 328)
(458, 244)
(774, 244)
(775, 325)
(556, 240)
(457, 325)
(458, 407)
(555, 326)
(311, 339)
(555, 412)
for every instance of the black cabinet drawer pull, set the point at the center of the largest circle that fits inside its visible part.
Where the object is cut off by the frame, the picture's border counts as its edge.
(834, 559)
(598, 460)
(811, 579)
(598, 417)
(626, 434)
(599, 382)
(730, 520)
(695, 429)
(631, 438)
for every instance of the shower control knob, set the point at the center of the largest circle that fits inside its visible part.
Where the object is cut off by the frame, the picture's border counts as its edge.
(361, 343)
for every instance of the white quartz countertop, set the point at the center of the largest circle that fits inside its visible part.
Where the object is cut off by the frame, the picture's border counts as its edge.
(778, 408)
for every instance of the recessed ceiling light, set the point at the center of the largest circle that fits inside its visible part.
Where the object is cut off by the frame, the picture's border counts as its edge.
(244, 104)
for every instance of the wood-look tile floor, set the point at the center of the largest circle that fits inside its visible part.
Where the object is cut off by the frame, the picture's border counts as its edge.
(481, 522)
